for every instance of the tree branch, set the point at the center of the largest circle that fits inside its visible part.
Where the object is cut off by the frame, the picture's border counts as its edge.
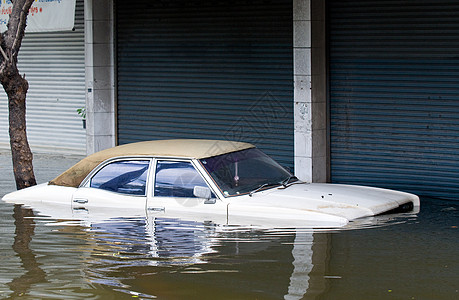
(16, 27)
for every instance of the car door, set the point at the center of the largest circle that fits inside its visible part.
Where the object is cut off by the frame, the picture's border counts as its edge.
(117, 188)
(179, 190)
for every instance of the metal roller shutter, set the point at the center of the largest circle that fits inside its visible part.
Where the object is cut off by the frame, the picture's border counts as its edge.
(53, 63)
(217, 70)
(394, 95)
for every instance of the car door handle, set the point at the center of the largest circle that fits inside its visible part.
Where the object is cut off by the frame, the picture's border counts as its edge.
(157, 209)
(80, 201)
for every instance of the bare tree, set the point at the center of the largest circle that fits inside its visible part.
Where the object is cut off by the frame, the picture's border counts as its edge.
(16, 87)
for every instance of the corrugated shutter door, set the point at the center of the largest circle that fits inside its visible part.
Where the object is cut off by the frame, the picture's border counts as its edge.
(217, 70)
(394, 95)
(53, 63)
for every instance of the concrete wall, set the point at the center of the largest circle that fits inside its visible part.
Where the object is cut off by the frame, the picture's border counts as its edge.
(310, 106)
(100, 75)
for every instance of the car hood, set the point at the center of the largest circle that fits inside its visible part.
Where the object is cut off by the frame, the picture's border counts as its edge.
(347, 201)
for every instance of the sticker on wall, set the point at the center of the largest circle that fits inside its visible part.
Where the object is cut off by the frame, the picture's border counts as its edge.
(44, 15)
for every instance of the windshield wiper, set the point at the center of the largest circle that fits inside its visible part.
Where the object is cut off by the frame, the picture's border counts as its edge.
(264, 185)
(291, 180)
(286, 181)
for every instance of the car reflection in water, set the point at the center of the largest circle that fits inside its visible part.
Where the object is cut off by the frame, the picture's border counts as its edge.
(186, 247)
(172, 241)
(159, 256)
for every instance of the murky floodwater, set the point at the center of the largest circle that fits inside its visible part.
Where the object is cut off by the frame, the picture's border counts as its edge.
(388, 257)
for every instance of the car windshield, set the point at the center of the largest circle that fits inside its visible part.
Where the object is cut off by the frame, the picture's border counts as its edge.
(245, 171)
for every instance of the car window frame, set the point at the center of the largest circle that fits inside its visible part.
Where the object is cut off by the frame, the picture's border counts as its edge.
(193, 164)
(86, 183)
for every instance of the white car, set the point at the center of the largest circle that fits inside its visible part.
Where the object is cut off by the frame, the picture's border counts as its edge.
(230, 183)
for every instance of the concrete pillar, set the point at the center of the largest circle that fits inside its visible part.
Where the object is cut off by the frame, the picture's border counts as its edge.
(319, 91)
(310, 106)
(100, 79)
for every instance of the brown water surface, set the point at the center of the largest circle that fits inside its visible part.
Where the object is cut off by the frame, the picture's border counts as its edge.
(387, 257)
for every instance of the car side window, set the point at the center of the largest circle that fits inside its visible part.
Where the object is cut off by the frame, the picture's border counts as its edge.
(126, 177)
(177, 179)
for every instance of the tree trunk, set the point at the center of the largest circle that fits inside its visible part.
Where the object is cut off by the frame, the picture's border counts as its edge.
(16, 88)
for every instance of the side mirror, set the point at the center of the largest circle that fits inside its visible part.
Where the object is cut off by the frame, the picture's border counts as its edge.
(202, 192)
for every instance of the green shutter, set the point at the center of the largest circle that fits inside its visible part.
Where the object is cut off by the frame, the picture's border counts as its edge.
(216, 70)
(394, 95)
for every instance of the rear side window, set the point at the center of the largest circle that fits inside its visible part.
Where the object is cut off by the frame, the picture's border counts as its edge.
(126, 177)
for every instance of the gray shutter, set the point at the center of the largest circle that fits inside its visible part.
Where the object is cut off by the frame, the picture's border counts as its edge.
(217, 70)
(53, 63)
(394, 95)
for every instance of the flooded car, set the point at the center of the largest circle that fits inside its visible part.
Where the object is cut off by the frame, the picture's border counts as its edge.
(226, 182)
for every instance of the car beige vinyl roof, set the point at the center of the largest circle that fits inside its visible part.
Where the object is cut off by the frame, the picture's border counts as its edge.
(186, 148)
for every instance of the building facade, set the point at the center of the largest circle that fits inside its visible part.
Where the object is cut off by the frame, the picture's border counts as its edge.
(338, 91)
